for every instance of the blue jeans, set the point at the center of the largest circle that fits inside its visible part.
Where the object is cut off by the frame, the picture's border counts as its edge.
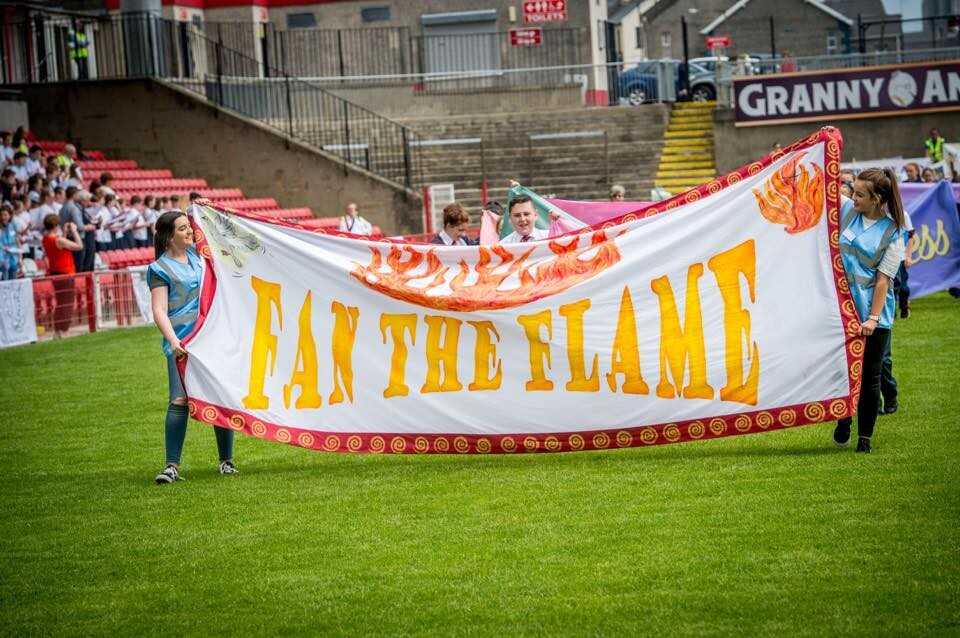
(175, 429)
(9, 272)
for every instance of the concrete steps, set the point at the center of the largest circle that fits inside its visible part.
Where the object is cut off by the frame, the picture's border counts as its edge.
(687, 160)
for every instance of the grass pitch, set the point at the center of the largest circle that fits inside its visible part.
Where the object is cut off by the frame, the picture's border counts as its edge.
(773, 534)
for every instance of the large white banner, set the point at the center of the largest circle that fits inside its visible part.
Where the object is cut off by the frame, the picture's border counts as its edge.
(718, 312)
(18, 324)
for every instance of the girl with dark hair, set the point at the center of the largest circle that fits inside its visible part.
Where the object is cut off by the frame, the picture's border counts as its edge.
(59, 251)
(872, 245)
(174, 280)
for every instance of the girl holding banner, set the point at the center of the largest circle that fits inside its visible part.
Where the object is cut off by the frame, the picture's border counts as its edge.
(872, 245)
(174, 281)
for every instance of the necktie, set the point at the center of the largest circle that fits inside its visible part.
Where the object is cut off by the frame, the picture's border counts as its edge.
(526, 238)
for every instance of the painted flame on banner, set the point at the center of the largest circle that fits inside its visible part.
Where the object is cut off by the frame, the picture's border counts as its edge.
(480, 288)
(793, 195)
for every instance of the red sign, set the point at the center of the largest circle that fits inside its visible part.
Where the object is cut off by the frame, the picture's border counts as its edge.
(536, 11)
(718, 41)
(529, 37)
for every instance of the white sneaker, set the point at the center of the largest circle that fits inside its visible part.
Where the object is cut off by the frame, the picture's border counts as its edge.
(227, 467)
(168, 475)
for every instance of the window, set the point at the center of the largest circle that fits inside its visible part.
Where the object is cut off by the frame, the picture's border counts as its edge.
(665, 45)
(375, 14)
(301, 20)
(832, 42)
(639, 35)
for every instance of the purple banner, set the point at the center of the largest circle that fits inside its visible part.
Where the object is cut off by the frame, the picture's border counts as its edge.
(936, 245)
(862, 92)
(910, 192)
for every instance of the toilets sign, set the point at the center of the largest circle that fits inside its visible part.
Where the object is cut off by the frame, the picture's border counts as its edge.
(880, 91)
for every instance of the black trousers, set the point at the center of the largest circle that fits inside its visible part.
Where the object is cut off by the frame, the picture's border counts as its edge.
(869, 405)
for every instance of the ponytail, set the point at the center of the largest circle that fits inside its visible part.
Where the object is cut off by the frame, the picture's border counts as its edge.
(894, 203)
(883, 184)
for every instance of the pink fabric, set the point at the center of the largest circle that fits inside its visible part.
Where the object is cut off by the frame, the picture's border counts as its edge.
(597, 212)
(560, 226)
(488, 228)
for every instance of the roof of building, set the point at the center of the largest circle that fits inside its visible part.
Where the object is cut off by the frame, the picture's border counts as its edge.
(740, 4)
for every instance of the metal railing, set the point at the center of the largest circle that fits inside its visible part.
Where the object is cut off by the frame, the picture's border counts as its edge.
(145, 45)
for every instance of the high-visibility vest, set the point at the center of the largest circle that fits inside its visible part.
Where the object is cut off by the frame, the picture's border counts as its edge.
(862, 251)
(934, 148)
(77, 43)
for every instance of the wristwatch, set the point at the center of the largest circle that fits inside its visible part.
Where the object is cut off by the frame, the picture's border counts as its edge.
(874, 317)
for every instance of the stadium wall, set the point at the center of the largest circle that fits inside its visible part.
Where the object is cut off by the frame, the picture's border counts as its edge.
(863, 138)
(166, 127)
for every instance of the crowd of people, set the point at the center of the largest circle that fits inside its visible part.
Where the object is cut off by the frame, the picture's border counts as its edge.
(34, 186)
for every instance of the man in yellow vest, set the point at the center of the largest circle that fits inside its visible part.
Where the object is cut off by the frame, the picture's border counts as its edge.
(77, 44)
(934, 146)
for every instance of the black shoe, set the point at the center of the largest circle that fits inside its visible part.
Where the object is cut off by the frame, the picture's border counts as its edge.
(889, 407)
(863, 444)
(905, 311)
(841, 435)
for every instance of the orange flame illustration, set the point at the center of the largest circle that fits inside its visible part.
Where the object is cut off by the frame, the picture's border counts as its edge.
(537, 280)
(792, 196)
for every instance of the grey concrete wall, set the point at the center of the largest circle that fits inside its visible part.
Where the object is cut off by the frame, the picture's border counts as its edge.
(863, 139)
(164, 127)
(13, 113)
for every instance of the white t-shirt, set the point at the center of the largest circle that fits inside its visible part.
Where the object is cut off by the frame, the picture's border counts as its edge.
(133, 218)
(34, 166)
(102, 217)
(356, 225)
(893, 255)
(517, 238)
(20, 172)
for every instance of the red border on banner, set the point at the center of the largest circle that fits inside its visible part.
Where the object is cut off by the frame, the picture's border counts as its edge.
(639, 436)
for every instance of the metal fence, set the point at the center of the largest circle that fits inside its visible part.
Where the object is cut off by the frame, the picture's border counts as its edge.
(200, 60)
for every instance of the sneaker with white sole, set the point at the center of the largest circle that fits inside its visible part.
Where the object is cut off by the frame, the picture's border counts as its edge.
(228, 468)
(169, 475)
(841, 435)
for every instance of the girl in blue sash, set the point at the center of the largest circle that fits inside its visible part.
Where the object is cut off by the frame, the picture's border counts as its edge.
(174, 281)
(872, 244)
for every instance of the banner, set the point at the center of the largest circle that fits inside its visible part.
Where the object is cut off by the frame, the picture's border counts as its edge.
(18, 324)
(721, 311)
(936, 245)
(847, 93)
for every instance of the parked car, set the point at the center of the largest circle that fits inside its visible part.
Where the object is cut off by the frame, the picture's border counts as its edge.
(638, 85)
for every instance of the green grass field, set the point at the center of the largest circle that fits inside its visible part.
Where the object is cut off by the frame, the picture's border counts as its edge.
(773, 534)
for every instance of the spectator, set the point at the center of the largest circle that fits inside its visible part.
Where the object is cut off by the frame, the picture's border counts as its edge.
(150, 213)
(72, 213)
(8, 185)
(352, 222)
(105, 180)
(19, 143)
(912, 172)
(6, 150)
(138, 222)
(116, 223)
(59, 247)
(617, 193)
(846, 189)
(847, 176)
(101, 216)
(35, 161)
(930, 176)
(9, 244)
(68, 158)
(455, 222)
(19, 166)
(194, 196)
(788, 65)
(59, 197)
(75, 178)
(162, 203)
(55, 176)
(174, 202)
(933, 146)
(88, 259)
